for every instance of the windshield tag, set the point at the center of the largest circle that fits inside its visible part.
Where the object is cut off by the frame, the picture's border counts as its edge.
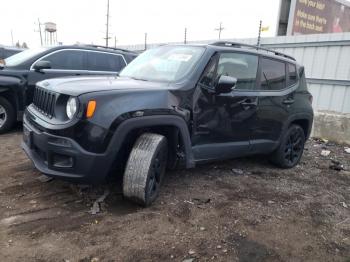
(180, 57)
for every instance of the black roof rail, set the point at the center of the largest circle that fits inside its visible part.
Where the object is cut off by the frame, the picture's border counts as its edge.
(241, 45)
(112, 48)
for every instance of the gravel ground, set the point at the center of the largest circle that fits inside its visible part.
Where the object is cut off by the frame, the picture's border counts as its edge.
(237, 210)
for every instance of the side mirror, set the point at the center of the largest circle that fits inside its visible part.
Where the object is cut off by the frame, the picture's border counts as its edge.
(40, 65)
(225, 84)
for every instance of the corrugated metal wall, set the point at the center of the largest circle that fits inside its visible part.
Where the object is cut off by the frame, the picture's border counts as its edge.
(326, 58)
(327, 65)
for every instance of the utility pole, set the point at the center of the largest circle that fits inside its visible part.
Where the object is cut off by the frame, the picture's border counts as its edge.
(115, 42)
(185, 40)
(41, 37)
(107, 24)
(259, 34)
(219, 29)
(145, 41)
(12, 38)
(40, 33)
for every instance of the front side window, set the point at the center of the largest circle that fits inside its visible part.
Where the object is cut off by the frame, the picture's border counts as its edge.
(164, 64)
(242, 66)
(273, 74)
(105, 62)
(67, 60)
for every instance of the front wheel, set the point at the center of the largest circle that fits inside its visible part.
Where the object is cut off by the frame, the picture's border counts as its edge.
(7, 115)
(291, 148)
(145, 168)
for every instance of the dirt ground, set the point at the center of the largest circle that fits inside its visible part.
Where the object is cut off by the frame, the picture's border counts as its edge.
(238, 210)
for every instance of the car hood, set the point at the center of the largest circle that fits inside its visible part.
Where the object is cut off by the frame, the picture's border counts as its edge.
(75, 86)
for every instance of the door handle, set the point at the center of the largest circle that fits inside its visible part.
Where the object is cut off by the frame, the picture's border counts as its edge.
(249, 103)
(288, 101)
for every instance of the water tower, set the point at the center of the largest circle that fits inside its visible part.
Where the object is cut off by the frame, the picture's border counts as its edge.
(50, 33)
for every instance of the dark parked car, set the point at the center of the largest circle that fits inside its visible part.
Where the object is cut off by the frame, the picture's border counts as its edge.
(177, 105)
(6, 52)
(22, 71)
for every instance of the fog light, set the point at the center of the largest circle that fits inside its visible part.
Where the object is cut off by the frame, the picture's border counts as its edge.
(62, 161)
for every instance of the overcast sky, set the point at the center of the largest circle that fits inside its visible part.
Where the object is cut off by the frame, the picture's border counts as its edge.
(164, 20)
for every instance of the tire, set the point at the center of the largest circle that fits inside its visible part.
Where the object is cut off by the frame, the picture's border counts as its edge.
(145, 169)
(7, 115)
(290, 150)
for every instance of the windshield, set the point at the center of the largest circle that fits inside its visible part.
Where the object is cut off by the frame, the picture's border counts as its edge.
(165, 64)
(21, 57)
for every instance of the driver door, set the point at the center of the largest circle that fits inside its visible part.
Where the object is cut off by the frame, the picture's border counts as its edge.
(223, 123)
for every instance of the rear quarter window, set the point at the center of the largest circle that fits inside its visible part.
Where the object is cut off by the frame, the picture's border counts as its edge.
(302, 84)
(292, 74)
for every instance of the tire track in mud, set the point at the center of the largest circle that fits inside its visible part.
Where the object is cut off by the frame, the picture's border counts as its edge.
(265, 214)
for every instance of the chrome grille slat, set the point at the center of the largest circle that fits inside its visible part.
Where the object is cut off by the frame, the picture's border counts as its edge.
(44, 100)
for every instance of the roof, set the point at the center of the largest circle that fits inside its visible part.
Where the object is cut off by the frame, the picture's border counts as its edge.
(94, 47)
(254, 49)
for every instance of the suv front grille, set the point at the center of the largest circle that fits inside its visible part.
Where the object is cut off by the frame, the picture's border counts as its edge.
(44, 101)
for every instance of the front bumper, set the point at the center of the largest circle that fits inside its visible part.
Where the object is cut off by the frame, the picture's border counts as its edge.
(63, 158)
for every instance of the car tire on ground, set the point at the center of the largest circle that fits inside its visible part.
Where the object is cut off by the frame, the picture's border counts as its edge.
(290, 150)
(7, 115)
(145, 168)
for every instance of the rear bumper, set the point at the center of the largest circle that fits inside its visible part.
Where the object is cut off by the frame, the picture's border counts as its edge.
(63, 158)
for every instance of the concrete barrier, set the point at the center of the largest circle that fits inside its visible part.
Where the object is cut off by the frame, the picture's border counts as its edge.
(332, 126)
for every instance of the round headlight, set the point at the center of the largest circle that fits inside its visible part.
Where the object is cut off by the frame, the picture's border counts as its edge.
(71, 107)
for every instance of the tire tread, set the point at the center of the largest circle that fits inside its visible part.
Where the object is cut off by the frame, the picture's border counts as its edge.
(137, 167)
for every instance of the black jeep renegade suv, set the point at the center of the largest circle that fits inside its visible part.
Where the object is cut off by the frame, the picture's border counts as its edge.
(173, 105)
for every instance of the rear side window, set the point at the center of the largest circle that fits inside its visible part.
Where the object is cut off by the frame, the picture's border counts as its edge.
(105, 62)
(67, 60)
(292, 74)
(273, 74)
(241, 66)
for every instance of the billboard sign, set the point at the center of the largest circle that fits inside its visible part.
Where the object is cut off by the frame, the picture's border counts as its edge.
(317, 16)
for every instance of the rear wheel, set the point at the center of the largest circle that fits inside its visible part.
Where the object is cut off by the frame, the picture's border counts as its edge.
(145, 168)
(7, 115)
(291, 148)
